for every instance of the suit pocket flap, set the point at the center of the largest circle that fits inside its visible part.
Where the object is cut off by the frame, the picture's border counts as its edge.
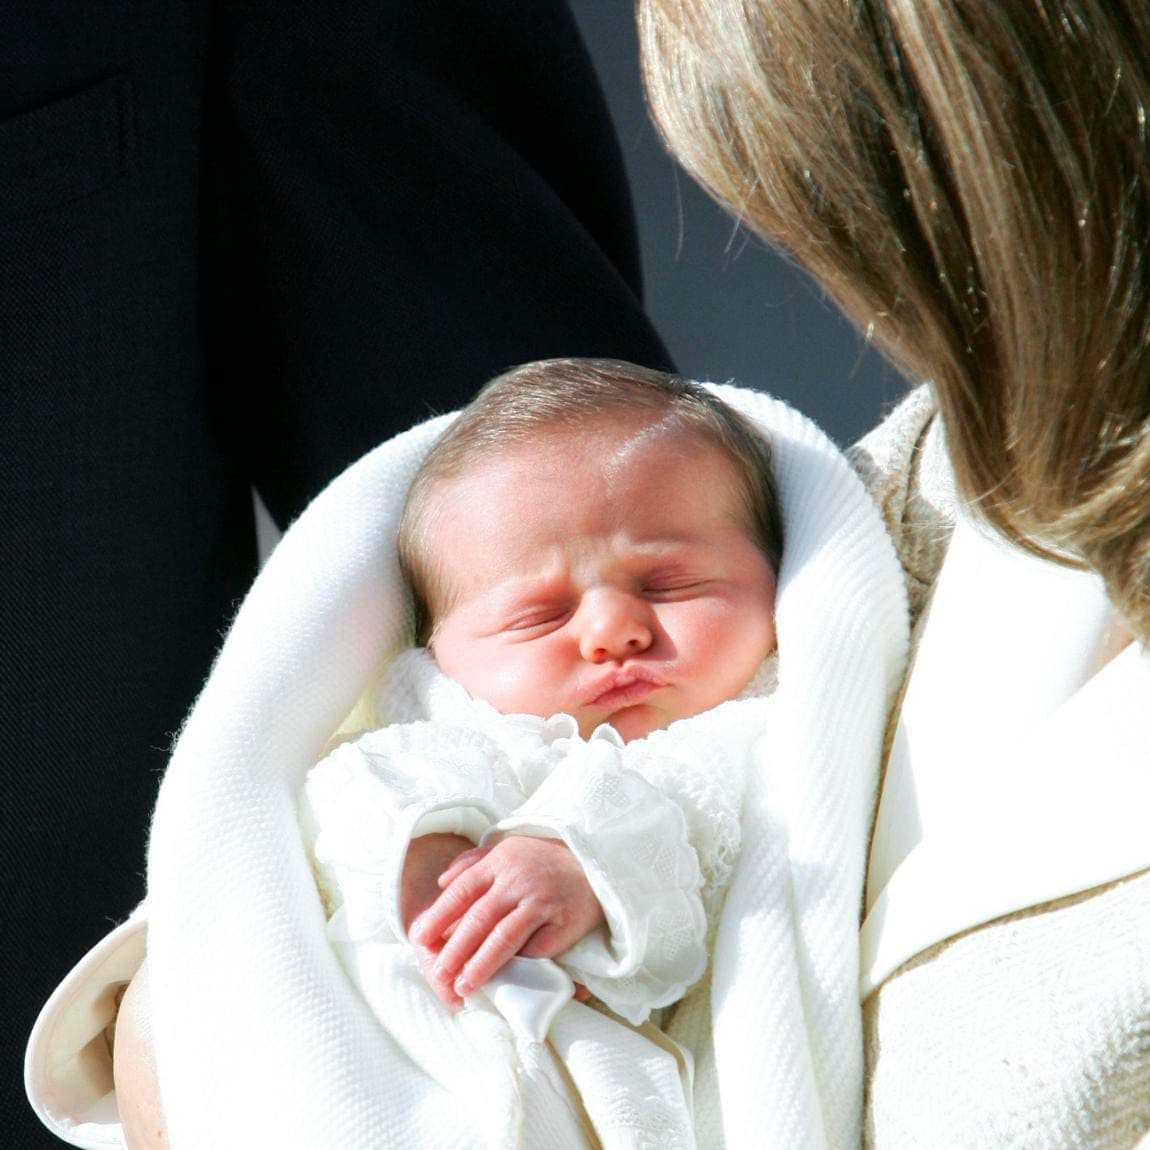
(64, 150)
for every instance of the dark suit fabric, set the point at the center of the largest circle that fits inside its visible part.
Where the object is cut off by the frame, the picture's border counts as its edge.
(240, 244)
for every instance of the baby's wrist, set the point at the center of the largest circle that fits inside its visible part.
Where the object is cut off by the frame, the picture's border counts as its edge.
(439, 848)
(443, 838)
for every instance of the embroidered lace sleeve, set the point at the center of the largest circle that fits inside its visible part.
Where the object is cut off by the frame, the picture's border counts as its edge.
(705, 777)
(362, 805)
(633, 843)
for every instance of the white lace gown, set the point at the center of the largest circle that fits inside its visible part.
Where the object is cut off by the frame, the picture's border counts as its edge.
(655, 825)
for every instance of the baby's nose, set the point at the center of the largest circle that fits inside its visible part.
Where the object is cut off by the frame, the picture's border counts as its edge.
(615, 626)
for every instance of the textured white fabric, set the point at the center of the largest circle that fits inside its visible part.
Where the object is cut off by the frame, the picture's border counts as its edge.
(632, 844)
(1027, 1032)
(262, 1040)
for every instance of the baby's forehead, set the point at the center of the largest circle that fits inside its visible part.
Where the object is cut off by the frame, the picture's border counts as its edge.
(603, 445)
(575, 477)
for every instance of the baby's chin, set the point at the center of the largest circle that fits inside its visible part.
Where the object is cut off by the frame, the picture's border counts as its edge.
(630, 722)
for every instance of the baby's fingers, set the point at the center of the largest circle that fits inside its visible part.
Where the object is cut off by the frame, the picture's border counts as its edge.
(485, 918)
(500, 945)
(548, 941)
(460, 863)
(454, 902)
(443, 992)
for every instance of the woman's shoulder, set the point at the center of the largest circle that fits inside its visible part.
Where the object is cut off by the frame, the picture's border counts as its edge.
(904, 466)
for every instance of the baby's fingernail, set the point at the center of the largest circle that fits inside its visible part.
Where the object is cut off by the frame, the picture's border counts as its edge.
(463, 988)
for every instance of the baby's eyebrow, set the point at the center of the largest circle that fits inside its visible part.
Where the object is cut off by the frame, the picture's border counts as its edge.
(667, 551)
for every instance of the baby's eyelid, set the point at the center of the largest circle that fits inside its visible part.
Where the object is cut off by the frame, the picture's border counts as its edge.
(678, 586)
(540, 618)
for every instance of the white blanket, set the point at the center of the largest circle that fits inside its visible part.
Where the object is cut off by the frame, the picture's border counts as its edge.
(261, 1039)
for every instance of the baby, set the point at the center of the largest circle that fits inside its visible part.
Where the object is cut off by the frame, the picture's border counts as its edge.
(589, 539)
(551, 791)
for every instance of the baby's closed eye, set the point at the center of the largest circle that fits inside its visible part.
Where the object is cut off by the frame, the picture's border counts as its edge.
(680, 588)
(538, 620)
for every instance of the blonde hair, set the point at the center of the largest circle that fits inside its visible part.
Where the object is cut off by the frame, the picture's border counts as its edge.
(561, 394)
(969, 181)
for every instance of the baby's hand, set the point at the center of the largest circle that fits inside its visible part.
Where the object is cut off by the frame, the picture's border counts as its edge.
(524, 895)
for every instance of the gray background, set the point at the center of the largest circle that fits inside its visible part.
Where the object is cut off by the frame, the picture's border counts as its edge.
(726, 306)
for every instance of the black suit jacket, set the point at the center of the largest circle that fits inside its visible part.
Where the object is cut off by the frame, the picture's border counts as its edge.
(240, 243)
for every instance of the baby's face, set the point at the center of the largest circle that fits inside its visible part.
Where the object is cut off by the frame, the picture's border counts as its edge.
(609, 574)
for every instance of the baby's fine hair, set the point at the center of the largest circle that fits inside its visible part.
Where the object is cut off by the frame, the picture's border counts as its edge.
(565, 394)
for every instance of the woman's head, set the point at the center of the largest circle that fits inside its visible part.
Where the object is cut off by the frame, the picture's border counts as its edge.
(971, 182)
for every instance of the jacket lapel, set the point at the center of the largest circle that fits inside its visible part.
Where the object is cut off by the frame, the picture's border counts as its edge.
(1016, 776)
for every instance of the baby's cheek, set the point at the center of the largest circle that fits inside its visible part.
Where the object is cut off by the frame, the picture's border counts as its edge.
(729, 644)
(519, 683)
(462, 664)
